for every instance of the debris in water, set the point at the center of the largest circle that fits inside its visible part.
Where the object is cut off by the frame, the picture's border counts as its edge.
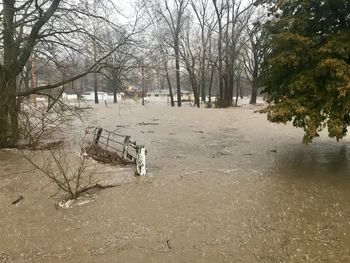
(65, 204)
(104, 156)
(18, 199)
(148, 123)
(70, 203)
(272, 151)
(168, 244)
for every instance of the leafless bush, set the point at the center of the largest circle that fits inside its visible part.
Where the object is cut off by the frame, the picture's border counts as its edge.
(71, 173)
(43, 121)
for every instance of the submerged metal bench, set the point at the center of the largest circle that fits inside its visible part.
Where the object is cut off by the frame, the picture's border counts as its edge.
(123, 145)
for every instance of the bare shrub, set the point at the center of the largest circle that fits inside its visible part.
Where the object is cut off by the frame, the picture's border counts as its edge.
(71, 173)
(42, 121)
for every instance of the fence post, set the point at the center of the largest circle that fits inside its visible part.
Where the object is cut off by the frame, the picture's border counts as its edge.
(126, 147)
(98, 135)
(140, 160)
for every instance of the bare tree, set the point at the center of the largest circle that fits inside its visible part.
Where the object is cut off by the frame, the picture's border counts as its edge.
(119, 64)
(164, 58)
(173, 16)
(240, 17)
(191, 56)
(254, 53)
(72, 174)
(206, 20)
(42, 26)
(232, 16)
(219, 11)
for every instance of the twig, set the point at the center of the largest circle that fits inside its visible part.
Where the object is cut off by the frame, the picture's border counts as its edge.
(18, 199)
(272, 151)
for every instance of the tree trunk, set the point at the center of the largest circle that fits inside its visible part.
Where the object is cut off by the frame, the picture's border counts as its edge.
(203, 86)
(95, 88)
(237, 90)
(9, 132)
(254, 93)
(115, 99)
(170, 90)
(220, 54)
(13, 112)
(95, 55)
(169, 84)
(240, 91)
(210, 84)
(177, 66)
(195, 89)
(227, 101)
(221, 82)
(197, 100)
(230, 89)
(114, 85)
(229, 86)
(4, 113)
(143, 82)
(254, 86)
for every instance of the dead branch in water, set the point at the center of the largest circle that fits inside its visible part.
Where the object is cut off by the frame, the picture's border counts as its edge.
(18, 200)
(72, 174)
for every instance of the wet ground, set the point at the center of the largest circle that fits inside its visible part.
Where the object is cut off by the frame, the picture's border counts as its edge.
(223, 185)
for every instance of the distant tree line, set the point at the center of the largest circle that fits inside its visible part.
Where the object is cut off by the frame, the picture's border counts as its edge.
(295, 51)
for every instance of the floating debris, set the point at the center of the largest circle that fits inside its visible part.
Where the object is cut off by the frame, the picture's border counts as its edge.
(70, 203)
(18, 200)
(168, 244)
(104, 156)
(148, 123)
(272, 151)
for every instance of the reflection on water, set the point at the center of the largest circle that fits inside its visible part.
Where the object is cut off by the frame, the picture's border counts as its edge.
(322, 160)
(306, 200)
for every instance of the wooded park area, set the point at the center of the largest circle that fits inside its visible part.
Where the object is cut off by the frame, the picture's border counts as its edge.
(295, 51)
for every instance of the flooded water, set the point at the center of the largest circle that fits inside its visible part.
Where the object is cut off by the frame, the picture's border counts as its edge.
(223, 185)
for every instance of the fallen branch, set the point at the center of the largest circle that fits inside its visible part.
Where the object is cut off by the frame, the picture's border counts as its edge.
(17, 200)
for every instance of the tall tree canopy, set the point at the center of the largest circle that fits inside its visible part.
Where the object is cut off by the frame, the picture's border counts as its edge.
(307, 72)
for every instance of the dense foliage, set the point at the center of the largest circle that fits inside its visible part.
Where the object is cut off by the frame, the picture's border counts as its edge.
(307, 72)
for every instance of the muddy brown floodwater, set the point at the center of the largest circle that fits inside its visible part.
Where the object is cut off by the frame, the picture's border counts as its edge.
(223, 185)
